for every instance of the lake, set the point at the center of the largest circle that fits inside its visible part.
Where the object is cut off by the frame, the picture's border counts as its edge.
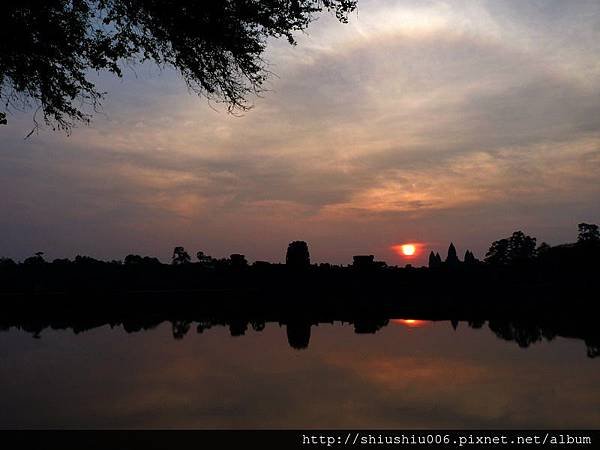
(409, 374)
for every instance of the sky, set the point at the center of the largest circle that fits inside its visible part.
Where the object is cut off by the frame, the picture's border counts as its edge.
(418, 121)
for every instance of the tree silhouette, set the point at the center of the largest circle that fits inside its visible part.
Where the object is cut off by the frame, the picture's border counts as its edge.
(588, 233)
(38, 258)
(131, 260)
(498, 253)
(6, 263)
(297, 255)
(542, 249)
(80, 259)
(48, 49)
(204, 259)
(519, 248)
(180, 256)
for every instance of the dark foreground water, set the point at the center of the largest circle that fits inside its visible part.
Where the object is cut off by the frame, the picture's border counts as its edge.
(408, 374)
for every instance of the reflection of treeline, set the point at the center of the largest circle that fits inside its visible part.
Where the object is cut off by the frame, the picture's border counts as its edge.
(525, 293)
(523, 331)
(515, 260)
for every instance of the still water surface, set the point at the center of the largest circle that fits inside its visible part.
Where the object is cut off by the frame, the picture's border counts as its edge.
(407, 375)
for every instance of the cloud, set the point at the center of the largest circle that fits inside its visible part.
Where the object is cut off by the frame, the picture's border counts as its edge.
(409, 119)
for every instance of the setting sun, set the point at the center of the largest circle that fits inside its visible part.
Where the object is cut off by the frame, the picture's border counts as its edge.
(408, 249)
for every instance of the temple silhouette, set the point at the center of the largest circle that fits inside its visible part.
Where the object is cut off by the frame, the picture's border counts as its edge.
(525, 293)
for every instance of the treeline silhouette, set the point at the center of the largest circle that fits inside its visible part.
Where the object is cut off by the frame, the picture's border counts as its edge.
(522, 331)
(523, 291)
(511, 263)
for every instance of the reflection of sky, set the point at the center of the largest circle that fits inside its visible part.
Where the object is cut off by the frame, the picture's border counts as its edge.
(420, 377)
(424, 121)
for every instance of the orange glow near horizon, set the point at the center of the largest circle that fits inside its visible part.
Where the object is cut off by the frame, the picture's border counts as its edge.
(408, 250)
(410, 323)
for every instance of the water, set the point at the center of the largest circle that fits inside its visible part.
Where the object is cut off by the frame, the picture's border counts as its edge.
(407, 375)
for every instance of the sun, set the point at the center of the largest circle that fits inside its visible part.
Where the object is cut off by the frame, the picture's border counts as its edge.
(408, 249)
